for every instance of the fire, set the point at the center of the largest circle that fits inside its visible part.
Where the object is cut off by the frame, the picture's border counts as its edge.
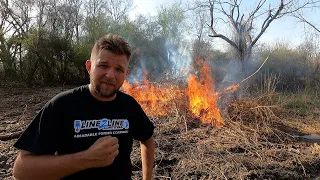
(233, 87)
(155, 99)
(160, 99)
(203, 98)
(230, 89)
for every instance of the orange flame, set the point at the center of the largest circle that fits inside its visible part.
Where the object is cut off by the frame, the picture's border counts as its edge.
(203, 98)
(160, 99)
(155, 99)
(233, 87)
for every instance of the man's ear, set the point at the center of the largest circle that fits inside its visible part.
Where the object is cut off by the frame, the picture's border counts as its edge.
(88, 65)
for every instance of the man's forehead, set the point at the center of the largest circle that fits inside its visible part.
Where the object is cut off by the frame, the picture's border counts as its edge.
(107, 59)
(104, 53)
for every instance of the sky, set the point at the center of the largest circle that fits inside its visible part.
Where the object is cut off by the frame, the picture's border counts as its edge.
(286, 29)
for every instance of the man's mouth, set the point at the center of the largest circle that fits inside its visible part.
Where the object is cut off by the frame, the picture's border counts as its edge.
(108, 84)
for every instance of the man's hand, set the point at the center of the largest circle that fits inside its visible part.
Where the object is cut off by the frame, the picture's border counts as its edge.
(102, 152)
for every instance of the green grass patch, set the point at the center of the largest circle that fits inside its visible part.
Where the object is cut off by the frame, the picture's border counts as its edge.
(304, 103)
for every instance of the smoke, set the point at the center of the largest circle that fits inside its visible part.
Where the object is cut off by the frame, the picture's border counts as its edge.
(232, 74)
(180, 61)
(236, 71)
(164, 62)
(136, 76)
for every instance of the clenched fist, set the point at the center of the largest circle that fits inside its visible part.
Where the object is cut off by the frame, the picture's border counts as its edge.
(102, 152)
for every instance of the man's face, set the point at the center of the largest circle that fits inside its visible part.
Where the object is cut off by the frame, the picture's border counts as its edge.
(107, 73)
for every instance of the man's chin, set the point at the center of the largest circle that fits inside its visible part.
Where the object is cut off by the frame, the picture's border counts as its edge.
(105, 90)
(107, 95)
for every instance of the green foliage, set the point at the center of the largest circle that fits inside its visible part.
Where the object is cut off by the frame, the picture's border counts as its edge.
(304, 103)
(49, 58)
(95, 27)
(289, 64)
(81, 54)
(7, 54)
(170, 20)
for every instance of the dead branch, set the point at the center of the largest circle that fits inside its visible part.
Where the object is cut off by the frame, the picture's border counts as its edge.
(267, 22)
(235, 86)
(214, 33)
(256, 70)
(302, 19)
(253, 14)
(10, 136)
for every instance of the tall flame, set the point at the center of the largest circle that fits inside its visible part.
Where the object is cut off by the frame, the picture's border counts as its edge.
(203, 98)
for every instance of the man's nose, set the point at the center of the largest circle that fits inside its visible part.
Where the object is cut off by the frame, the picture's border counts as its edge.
(110, 73)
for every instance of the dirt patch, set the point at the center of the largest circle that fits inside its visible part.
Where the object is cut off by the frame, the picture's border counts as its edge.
(19, 104)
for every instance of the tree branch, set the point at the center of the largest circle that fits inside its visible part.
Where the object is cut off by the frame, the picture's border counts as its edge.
(307, 22)
(252, 15)
(226, 39)
(267, 22)
(214, 33)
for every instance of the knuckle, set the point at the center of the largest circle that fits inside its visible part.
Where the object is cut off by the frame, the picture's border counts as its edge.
(114, 139)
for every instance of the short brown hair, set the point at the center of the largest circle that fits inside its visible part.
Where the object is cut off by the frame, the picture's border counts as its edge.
(114, 43)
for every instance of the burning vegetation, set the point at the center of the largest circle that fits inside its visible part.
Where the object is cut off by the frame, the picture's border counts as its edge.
(158, 100)
(251, 141)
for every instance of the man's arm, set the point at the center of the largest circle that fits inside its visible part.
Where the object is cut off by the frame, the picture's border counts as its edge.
(147, 156)
(32, 166)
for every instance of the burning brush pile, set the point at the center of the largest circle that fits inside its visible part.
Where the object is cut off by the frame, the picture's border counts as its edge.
(197, 140)
(164, 99)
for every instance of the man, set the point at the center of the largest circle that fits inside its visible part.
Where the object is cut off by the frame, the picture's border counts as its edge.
(87, 132)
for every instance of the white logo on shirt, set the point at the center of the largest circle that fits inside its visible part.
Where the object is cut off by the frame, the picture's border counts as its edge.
(101, 124)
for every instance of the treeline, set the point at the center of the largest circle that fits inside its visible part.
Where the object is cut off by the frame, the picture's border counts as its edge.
(47, 42)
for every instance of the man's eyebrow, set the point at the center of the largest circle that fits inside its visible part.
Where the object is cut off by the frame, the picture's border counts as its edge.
(102, 62)
(121, 67)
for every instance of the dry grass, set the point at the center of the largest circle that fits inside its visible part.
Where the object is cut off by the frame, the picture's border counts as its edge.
(257, 142)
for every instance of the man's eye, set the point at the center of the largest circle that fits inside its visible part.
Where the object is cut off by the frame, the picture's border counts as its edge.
(120, 70)
(103, 66)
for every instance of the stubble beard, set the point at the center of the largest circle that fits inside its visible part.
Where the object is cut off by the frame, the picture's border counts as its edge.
(106, 92)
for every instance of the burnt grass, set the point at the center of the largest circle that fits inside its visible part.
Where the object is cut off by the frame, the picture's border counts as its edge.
(256, 142)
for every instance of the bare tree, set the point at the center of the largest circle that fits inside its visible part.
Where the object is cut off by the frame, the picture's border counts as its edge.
(95, 19)
(118, 9)
(245, 34)
(64, 18)
(40, 6)
(78, 16)
(94, 8)
(14, 23)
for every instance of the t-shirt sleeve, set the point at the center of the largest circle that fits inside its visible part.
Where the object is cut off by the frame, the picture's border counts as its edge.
(40, 135)
(144, 127)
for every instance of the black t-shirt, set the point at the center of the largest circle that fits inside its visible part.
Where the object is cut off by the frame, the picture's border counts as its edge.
(73, 120)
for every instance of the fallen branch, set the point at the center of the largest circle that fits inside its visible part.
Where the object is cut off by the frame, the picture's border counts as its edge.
(10, 136)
